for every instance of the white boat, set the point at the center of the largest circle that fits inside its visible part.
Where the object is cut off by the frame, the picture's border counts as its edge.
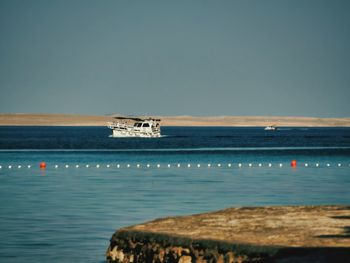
(135, 127)
(270, 128)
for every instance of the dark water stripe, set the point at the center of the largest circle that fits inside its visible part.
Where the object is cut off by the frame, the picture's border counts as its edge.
(182, 149)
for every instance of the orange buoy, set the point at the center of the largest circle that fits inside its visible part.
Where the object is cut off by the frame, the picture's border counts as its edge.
(42, 165)
(293, 163)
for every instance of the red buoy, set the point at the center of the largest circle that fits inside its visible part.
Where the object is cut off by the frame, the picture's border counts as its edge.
(293, 163)
(42, 165)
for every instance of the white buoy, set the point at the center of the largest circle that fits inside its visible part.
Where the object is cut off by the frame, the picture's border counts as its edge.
(97, 166)
(138, 165)
(148, 165)
(158, 165)
(306, 165)
(118, 165)
(108, 165)
(219, 164)
(239, 165)
(328, 165)
(198, 165)
(270, 164)
(19, 167)
(188, 165)
(67, 166)
(281, 165)
(260, 164)
(128, 165)
(339, 164)
(178, 165)
(169, 165)
(56, 166)
(87, 166)
(209, 165)
(29, 166)
(229, 165)
(250, 165)
(0, 167)
(10, 166)
(77, 166)
(317, 164)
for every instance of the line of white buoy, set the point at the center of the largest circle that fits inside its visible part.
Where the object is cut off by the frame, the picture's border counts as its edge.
(178, 165)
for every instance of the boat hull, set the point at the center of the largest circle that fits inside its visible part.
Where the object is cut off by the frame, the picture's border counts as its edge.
(128, 134)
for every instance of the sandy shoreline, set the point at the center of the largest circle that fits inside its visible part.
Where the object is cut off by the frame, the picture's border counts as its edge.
(23, 119)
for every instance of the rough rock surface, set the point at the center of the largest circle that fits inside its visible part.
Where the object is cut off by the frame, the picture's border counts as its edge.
(250, 234)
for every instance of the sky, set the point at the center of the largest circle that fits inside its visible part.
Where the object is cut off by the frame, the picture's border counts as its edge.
(201, 58)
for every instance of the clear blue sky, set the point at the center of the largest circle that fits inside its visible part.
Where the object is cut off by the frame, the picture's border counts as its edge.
(176, 57)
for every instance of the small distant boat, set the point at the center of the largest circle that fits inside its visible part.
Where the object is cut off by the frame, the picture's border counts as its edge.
(271, 128)
(135, 127)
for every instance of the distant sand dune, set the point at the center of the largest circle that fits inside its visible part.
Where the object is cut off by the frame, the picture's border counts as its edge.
(23, 119)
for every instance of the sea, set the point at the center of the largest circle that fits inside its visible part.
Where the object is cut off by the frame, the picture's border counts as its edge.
(94, 184)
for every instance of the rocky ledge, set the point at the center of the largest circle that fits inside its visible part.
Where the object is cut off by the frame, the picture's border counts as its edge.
(249, 234)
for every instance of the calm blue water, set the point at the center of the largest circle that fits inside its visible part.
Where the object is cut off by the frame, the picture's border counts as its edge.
(68, 214)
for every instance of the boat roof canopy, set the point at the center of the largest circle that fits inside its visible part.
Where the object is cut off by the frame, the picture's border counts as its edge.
(136, 118)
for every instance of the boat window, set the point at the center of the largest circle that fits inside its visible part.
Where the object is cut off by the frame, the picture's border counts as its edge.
(139, 124)
(145, 125)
